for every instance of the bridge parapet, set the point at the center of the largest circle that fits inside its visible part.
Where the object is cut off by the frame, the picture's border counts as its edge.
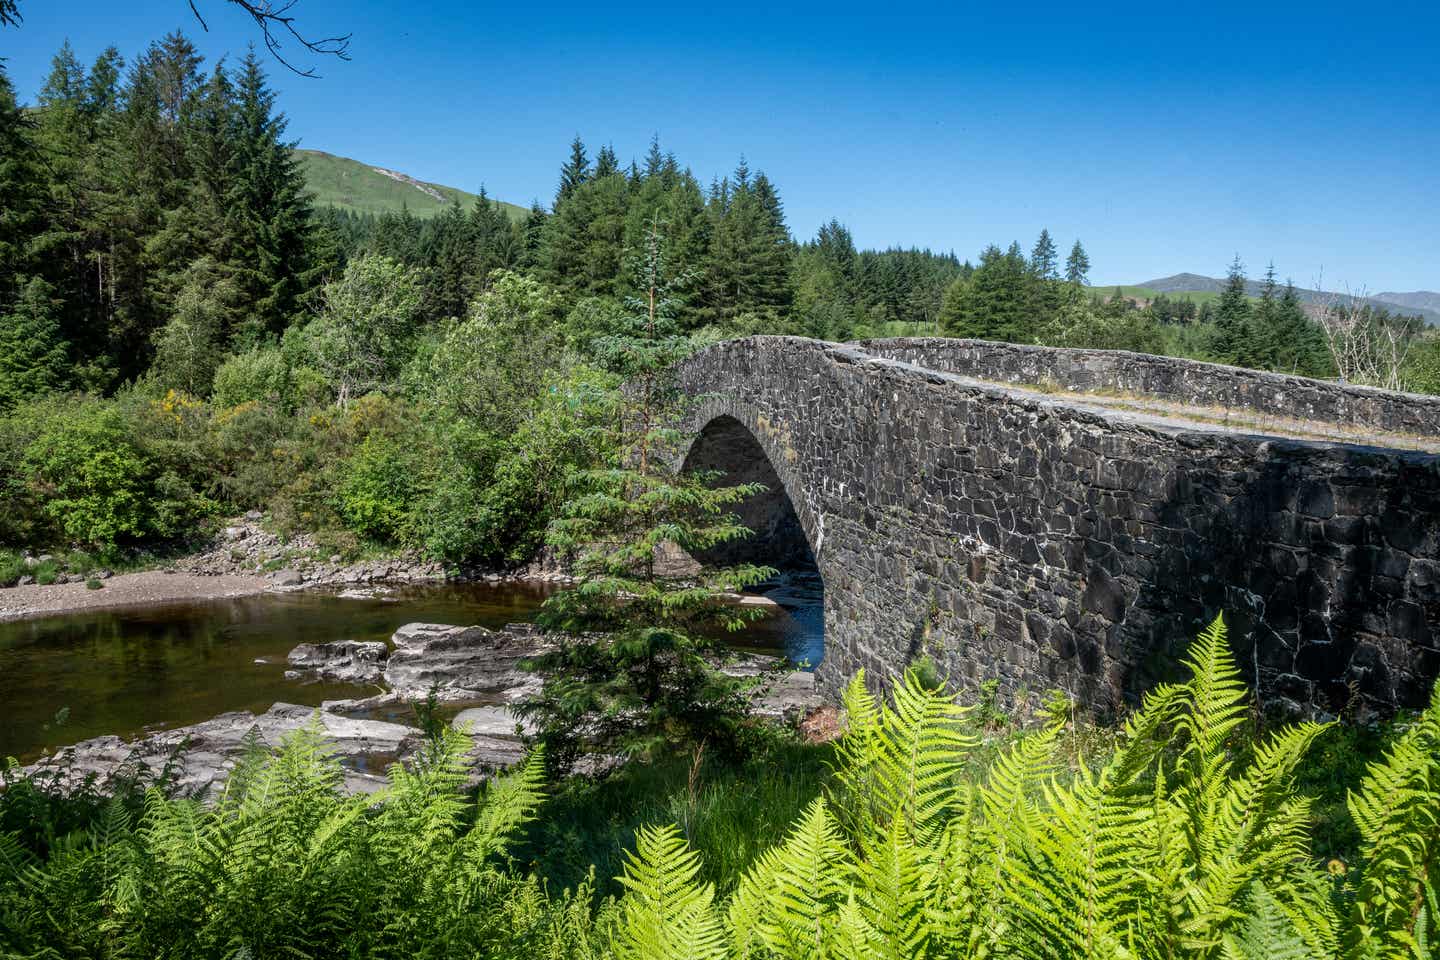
(1209, 385)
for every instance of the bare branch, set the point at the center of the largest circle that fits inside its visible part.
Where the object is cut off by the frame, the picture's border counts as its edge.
(1368, 348)
(276, 23)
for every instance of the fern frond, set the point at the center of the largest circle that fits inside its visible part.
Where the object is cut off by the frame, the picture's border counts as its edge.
(666, 914)
(786, 899)
(1397, 810)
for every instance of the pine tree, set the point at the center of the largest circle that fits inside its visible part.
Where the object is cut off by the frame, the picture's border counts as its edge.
(749, 266)
(996, 302)
(272, 205)
(1044, 261)
(33, 353)
(1232, 317)
(575, 172)
(606, 162)
(22, 192)
(1077, 265)
(634, 672)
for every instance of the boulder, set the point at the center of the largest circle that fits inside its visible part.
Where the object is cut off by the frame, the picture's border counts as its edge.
(463, 663)
(492, 720)
(349, 661)
(207, 752)
(286, 578)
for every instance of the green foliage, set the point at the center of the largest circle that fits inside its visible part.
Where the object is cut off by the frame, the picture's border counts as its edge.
(282, 864)
(367, 328)
(33, 351)
(259, 376)
(491, 367)
(634, 670)
(102, 483)
(376, 488)
(1176, 845)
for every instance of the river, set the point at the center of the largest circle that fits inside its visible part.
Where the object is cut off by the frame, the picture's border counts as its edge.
(68, 678)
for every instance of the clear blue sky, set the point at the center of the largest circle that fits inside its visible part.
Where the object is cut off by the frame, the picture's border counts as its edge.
(1167, 140)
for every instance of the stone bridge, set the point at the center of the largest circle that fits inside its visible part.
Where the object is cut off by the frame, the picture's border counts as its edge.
(1071, 518)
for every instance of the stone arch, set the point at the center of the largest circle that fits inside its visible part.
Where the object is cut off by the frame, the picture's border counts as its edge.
(739, 448)
(729, 448)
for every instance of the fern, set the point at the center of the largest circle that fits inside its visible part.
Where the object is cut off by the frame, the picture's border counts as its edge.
(667, 915)
(1397, 810)
(783, 902)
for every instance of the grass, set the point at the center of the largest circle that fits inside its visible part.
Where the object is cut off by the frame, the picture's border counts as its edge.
(1196, 297)
(731, 813)
(355, 186)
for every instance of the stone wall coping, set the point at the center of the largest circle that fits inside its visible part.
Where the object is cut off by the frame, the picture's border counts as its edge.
(1199, 381)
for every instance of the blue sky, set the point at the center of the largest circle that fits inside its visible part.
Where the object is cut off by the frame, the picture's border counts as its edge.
(1167, 140)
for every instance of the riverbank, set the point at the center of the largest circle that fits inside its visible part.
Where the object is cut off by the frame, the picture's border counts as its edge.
(243, 559)
(476, 675)
(125, 590)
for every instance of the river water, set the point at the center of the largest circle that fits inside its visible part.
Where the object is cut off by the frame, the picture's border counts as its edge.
(68, 678)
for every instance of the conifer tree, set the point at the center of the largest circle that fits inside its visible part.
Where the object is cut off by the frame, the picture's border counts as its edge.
(575, 171)
(996, 303)
(635, 668)
(272, 204)
(606, 162)
(1232, 317)
(1077, 265)
(22, 188)
(1043, 258)
(33, 353)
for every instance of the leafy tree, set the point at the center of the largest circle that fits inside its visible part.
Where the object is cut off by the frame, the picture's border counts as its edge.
(190, 347)
(490, 368)
(1077, 265)
(633, 671)
(367, 329)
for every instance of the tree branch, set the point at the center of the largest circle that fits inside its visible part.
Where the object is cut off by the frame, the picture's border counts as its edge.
(275, 21)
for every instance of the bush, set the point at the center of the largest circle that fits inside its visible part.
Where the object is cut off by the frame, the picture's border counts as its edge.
(260, 376)
(377, 489)
(100, 487)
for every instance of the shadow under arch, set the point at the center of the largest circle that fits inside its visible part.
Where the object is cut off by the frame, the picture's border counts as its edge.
(728, 448)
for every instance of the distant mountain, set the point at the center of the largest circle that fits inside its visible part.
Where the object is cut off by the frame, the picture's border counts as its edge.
(1423, 303)
(363, 188)
(1418, 300)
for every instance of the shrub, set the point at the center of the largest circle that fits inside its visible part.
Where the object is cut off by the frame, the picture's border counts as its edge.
(93, 584)
(377, 490)
(100, 487)
(12, 568)
(260, 376)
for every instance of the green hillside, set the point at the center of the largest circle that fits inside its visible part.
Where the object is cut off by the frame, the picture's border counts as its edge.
(1146, 293)
(352, 185)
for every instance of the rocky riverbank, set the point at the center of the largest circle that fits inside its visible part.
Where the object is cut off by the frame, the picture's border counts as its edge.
(470, 668)
(245, 558)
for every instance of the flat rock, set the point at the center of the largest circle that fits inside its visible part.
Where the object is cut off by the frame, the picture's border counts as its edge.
(349, 661)
(366, 748)
(496, 720)
(463, 663)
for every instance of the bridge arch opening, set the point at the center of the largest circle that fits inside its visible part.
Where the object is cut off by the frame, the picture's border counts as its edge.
(728, 448)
